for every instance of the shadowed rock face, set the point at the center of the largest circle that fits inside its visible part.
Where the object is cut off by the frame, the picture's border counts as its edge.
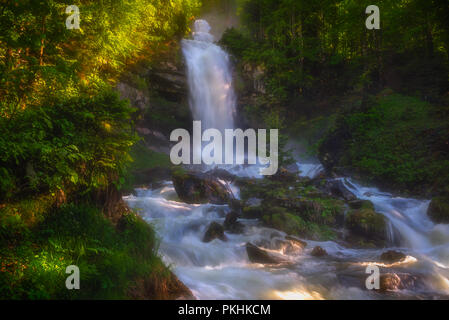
(231, 224)
(193, 187)
(318, 252)
(214, 231)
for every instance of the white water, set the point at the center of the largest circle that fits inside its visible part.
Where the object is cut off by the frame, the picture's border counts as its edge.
(221, 270)
(210, 80)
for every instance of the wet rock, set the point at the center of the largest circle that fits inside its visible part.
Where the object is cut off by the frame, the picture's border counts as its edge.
(392, 256)
(318, 252)
(214, 231)
(235, 204)
(231, 224)
(197, 187)
(397, 281)
(258, 255)
(338, 189)
(367, 225)
(439, 210)
(296, 241)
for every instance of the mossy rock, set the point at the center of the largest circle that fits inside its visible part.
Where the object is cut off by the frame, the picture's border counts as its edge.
(279, 218)
(439, 210)
(367, 224)
(361, 204)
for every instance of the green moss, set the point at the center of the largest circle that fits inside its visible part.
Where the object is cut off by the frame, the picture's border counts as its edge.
(279, 218)
(439, 210)
(367, 223)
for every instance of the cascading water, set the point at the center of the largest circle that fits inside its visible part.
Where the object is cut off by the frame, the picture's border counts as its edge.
(210, 80)
(221, 270)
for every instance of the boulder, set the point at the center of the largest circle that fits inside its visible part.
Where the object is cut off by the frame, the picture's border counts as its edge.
(231, 224)
(392, 256)
(296, 241)
(197, 187)
(368, 225)
(214, 231)
(318, 252)
(137, 98)
(397, 281)
(439, 210)
(258, 255)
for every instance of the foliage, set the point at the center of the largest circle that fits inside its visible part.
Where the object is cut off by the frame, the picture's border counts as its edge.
(315, 50)
(79, 143)
(109, 258)
(396, 139)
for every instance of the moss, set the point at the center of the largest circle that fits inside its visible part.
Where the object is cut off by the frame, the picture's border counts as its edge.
(279, 218)
(367, 223)
(439, 210)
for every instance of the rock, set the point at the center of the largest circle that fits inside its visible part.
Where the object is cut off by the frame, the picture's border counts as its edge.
(136, 97)
(312, 210)
(367, 224)
(337, 188)
(197, 187)
(397, 281)
(359, 204)
(296, 241)
(235, 204)
(389, 282)
(318, 252)
(392, 256)
(258, 255)
(439, 210)
(214, 231)
(231, 224)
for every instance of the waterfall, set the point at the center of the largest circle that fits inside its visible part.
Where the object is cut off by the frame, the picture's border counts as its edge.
(212, 98)
(222, 270)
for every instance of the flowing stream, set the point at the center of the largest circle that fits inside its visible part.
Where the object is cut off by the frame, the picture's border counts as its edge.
(221, 270)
